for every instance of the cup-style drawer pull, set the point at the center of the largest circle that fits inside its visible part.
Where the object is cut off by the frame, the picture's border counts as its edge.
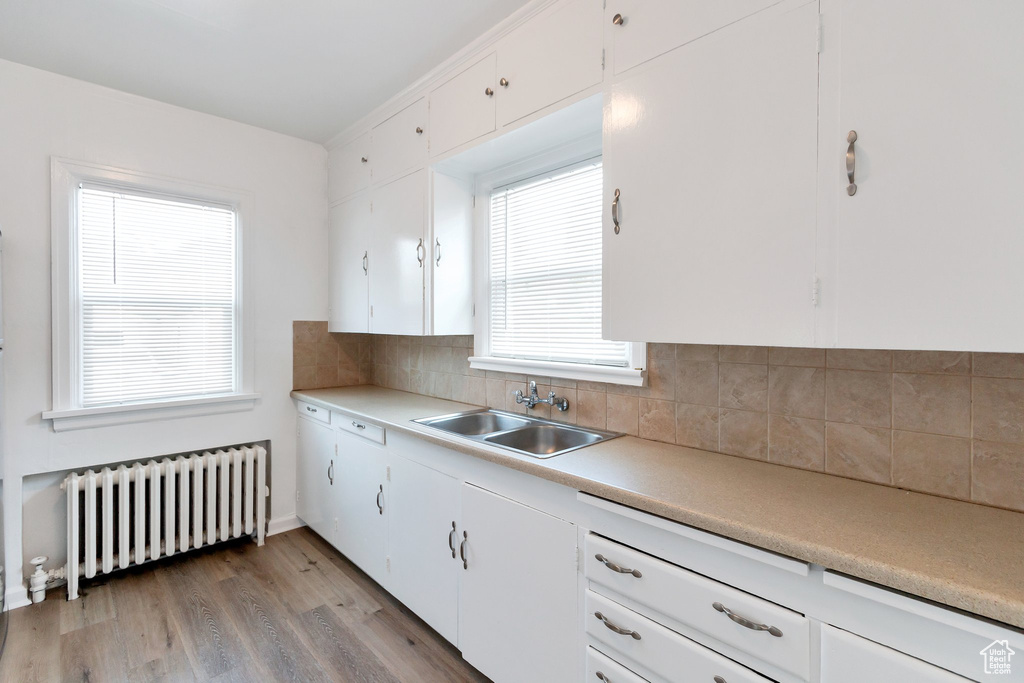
(747, 623)
(616, 568)
(617, 629)
(357, 425)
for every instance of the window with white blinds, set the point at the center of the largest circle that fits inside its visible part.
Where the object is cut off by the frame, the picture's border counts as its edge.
(157, 291)
(545, 270)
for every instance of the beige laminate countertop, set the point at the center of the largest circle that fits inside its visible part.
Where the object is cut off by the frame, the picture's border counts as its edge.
(959, 554)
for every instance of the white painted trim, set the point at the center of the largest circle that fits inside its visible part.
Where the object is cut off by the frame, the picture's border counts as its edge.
(104, 416)
(578, 371)
(17, 596)
(283, 524)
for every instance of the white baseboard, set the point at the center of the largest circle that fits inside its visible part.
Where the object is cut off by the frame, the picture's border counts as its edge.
(17, 596)
(282, 524)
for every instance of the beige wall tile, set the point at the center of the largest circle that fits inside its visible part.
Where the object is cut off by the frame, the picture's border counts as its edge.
(697, 426)
(303, 354)
(326, 376)
(999, 409)
(936, 404)
(798, 391)
(657, 420)
(305, 331)
(743, 386)
(796, 442)
(743, 354)
(623, 414)
(510, 397)
(859, 359)
(495, 393)
(998, 475)
(655, 350)
(809, 358)
(945, 362)
(697, 382)
(591, 409)
(661, 379)
(304, 377)
(858, 452)
(932, 464)
(568, 416)
(327, 353)
(745, 433)
(706, 352)
(999, 365)
(858, 397)
(320, 328)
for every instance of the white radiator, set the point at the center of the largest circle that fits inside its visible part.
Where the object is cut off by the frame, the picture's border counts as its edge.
(144, 511)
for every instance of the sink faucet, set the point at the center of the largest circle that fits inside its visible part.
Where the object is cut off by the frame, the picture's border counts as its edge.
(533, 399)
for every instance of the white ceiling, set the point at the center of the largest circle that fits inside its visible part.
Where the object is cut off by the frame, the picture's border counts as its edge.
(307, 68)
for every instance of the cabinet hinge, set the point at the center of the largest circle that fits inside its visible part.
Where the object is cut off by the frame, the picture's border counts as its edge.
(371, 311)
(602, 59)
(387, 563)
(389, 472)
(296, 495)
(815, 290)
(821, 32)
(474, 310)
(474, 201)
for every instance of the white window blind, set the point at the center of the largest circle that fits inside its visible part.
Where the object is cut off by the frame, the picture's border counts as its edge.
(157, 316)
(546, 270)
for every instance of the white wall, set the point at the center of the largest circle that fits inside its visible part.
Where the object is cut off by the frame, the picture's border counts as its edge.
(44, 115)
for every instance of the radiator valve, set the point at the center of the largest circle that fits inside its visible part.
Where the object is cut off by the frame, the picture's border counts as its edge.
(37, 582)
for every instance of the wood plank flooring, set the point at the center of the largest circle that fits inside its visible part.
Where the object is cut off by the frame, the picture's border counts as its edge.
(293, 610)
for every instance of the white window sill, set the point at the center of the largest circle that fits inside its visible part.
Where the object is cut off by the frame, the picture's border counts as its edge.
(105, 416)
(591, 373)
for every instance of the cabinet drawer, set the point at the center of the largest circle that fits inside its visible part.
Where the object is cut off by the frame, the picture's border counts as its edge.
(658, 649)
(691, 599)
(400, 143)
(315, 412)
(367, 430)
(603, 668)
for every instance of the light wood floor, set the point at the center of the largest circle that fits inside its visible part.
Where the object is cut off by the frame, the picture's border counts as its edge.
(293, 610)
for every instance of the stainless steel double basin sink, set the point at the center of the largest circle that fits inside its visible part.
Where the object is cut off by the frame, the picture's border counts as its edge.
(520, 433)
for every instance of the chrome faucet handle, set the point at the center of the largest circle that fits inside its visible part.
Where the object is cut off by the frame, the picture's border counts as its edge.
(533, 388)
(519, 396)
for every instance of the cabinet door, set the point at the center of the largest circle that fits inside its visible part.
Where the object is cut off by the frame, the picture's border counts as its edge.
(422, 541)
(348, 249)
(398, 256)
(360, 481)
(846, 658)
(928, 249)
(461, 109)
(400, 143)
(549, 58)
(451, 263)
(712, 149)
(349, 168)
(315, 475)
(518, 596)
(649, 28)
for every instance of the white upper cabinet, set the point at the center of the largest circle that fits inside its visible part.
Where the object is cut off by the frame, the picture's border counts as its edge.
(639, 30)
(462, 108)
(399, 256)
(349, 168)
(711, 152)
(451, 262)
(927, 253)
(400, 143)
(552, 56)
(348, 241)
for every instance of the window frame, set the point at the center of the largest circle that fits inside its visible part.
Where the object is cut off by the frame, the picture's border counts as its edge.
(65, 177)
(562, 158)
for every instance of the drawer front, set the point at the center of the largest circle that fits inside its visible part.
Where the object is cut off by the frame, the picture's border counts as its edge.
(691, 600)
(846, 658)
(354, 425)
(315, 412)
(607, 670)
(658, 649)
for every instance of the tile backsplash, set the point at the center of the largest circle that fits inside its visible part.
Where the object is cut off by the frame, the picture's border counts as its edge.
(946, 423)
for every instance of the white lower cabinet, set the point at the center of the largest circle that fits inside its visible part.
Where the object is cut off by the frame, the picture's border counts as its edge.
(518, 603)
(360, 480)
(423, 540)
(846, 658)
(315, 458)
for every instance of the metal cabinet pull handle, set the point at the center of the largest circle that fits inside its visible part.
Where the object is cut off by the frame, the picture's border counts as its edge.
(489, 92)
(602, 677)
(421, 252)
(357, 425)
(615, 211)
(363, 159)
(380, 502)
(851, 163)
(419, 130)
(366, 263)
(437, 251)
(616, 568)
(618, 20)
(747, 623)
(451, 540)
(617, 629)
(311, 409)
(503, 82)
(719, 679)
(462, 550)
(330, 473)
